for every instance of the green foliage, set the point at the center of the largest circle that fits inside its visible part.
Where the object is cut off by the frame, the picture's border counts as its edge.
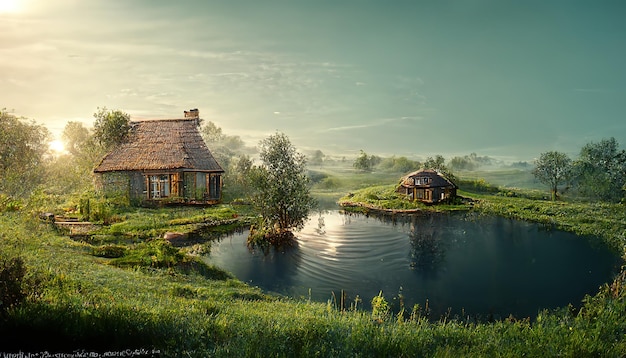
(211, 133)
(438, 163)
(111, 127)
(96, 208)
(380, 307)
(600, 170)
(478, 186)
(364, 162)
(469, 162)
(232, 155)
(281, 186)
(12, 292)
(72, 173)
(75, 137)
(8, 203)
(237, 176)
(330, 183)
(399, 165)
(553, 169)
(155, 253)
(23, 145)
(380, 197)
(317, 158)
(109, 251)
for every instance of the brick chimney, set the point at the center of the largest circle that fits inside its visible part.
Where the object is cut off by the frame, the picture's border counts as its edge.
(192, 113)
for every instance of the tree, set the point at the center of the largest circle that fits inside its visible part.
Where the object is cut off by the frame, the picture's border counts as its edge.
(438, 163)
(363, 162)
(462, 163)
(553, 169)
(600, 170)
(75, 136)
(111, 127)
(211, 133)
(281, 190)
(230, 152)
(317, 158)
(23, 145)
(237, 176)
(469, 162)
(399, 164)
(72, 172)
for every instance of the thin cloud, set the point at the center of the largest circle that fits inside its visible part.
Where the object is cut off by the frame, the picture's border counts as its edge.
(377, 123)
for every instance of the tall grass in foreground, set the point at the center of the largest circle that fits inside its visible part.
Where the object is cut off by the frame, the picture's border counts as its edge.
(76, 300)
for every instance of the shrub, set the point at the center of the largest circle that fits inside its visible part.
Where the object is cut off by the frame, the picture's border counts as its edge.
(329, 183)
(12, 272)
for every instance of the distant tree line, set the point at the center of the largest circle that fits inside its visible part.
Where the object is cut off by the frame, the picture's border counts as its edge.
(366, 163)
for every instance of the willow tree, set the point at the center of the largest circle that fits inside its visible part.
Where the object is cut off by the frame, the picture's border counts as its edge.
(280, 191)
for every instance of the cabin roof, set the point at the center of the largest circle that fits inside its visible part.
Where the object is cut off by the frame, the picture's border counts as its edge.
(161, 145)
(436, 179)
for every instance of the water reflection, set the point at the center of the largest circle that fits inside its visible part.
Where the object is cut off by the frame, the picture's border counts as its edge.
(479, 265)
(428, 250)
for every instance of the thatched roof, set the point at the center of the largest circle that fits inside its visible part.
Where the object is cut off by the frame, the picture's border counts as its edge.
(161, 145)
(436, 179)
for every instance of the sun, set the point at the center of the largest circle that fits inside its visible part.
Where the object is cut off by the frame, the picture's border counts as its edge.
(56, 145)
(9, 6)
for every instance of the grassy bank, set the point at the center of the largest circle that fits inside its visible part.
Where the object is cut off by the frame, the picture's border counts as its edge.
(162, 298)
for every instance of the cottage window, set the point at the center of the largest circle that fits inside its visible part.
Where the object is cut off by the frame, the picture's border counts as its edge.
(159, 186)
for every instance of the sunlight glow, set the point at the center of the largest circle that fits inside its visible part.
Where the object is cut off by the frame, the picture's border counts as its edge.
(10, 6)
(56, 146)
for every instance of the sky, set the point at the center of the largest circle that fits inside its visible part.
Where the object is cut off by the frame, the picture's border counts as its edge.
(507, 79)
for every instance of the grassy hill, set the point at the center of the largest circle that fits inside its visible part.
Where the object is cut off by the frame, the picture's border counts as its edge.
(125, 288)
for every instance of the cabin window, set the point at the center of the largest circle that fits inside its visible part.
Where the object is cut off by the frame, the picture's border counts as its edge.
(421, 181)
(159, 186)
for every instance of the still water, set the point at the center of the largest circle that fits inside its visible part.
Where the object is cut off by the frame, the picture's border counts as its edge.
(461, 263)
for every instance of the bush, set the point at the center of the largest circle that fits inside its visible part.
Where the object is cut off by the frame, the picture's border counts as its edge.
(329, 183)
(12, 272)
(8, 203)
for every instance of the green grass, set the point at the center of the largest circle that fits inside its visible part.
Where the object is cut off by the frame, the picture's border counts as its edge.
(508, 178)
(79, 297)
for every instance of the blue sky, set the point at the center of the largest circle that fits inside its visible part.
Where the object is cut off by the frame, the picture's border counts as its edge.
(509, 79)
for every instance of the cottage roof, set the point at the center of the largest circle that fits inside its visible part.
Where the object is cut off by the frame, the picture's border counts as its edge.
(161, 145)
(435, 179)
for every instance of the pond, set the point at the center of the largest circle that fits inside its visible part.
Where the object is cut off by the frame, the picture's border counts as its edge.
(461, 264)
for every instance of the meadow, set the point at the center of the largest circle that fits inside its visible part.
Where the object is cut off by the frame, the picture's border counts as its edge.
(126, 288)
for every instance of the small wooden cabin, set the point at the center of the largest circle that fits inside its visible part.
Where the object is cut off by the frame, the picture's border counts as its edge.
(162, 161)
(428, 186)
